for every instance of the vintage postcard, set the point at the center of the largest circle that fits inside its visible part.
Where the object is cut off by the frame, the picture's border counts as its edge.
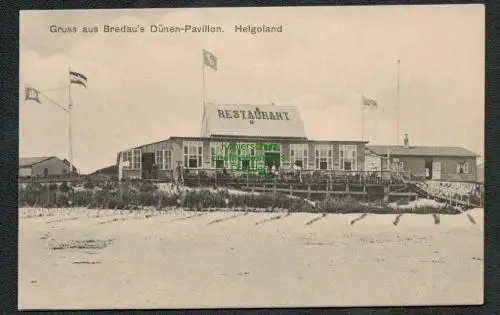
(251, 157)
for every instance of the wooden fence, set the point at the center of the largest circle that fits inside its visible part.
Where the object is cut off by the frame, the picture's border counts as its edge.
(305, 176)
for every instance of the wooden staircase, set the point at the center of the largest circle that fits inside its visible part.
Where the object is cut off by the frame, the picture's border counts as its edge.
(445, 195)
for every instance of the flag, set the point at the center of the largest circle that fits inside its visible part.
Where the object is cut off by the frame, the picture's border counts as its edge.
(78, 78)
(209, 59)
(32, 94)
(369, 103)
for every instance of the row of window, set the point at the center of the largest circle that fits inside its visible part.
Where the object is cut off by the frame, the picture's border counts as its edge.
(398, 166)
(299, 155)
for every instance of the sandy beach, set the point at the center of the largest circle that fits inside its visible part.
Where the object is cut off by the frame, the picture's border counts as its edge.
(90, 259)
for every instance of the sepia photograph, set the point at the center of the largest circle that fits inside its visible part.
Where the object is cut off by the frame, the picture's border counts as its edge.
(251, 157)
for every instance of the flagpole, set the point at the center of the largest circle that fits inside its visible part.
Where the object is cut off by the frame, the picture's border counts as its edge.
(397, 109)
(70, 135)
(203, 79)
(203, 93)
(362, 119)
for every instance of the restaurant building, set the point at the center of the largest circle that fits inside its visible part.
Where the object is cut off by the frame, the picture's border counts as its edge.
(242, 138)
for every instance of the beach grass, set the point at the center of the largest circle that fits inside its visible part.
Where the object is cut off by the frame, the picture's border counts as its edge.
(140, 195)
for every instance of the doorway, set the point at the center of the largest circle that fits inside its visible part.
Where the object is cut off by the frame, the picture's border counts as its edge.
(272, 158)
(148, 161)
(436, 170)
(428, 169)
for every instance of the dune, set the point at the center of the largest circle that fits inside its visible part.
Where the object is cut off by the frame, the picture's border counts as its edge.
(94, 259)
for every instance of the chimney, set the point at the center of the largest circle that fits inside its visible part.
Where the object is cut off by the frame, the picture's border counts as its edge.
(407, 141)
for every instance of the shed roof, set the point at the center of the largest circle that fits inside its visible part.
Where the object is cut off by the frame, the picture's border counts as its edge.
(30, 161)
(252, 121)
(420, 151)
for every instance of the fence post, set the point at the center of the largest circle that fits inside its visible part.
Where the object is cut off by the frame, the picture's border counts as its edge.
(309, 191)
(291, 189)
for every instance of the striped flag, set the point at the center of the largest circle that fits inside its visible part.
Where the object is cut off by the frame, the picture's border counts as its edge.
(209, 59)
(78, 78)
(32, 94)
(369, 103)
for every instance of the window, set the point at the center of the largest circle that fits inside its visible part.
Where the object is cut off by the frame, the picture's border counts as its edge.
(299, 155)
(132, 159)
(246, 156)
(463, 168)
(348, 157)
(193, 154)
(397, 165)
(324, 157)
(164, 159)
(136, 159)
(127, 159)
(218, 155)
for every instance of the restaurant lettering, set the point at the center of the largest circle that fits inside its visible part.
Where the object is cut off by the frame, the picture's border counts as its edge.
(256, 114)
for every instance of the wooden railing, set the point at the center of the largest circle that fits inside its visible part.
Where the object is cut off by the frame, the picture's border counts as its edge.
(282, 175)
(454, 196)
(372, 191)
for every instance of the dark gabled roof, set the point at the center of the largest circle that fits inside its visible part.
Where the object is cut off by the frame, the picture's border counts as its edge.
(30, 161)
(420, 151)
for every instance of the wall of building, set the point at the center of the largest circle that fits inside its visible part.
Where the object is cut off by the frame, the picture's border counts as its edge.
(163, 145)
(176, 146)
(480, 173)
(25, 171)
(416, 165)
(449, 168)
(373, 162)
(54, 166)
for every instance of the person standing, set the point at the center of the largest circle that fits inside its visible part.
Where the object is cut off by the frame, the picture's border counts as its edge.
(299, 171)
(179, 172)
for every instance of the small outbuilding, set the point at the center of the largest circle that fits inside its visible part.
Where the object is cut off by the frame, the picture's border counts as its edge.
(45, 166)
(428, 162)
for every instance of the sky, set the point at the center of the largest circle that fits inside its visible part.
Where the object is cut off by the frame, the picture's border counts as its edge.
(146, 87)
